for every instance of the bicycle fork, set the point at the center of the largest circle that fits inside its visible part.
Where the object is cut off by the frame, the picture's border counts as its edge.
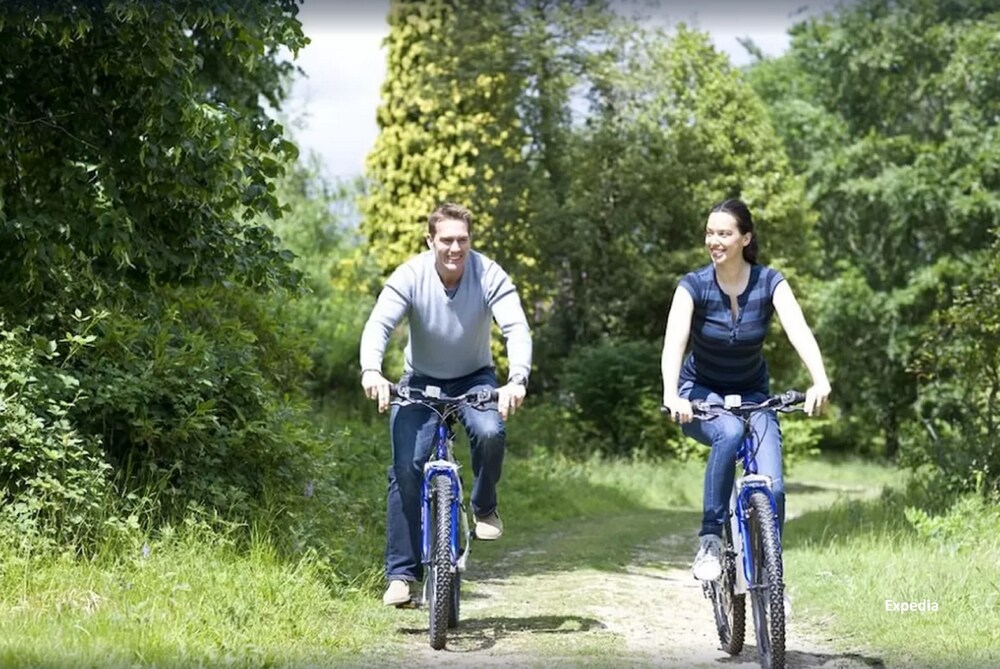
(739, 518)
(458, 556)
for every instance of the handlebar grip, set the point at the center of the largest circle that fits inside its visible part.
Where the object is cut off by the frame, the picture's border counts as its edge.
(793, 397)
(487, 395)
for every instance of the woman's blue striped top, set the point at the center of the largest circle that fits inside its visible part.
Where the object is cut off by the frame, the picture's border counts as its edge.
(726, 353)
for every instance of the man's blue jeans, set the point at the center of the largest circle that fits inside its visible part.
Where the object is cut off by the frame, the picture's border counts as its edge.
(411, 430)
(724, 434)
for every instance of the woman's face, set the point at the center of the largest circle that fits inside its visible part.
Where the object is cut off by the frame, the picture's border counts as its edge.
(723, 238)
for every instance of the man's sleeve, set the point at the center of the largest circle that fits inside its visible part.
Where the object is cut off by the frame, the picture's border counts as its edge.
(504, 302)
(393, 303)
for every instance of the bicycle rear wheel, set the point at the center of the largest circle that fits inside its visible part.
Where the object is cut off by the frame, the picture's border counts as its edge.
(729, 608)
(440, 571)
(767, 589)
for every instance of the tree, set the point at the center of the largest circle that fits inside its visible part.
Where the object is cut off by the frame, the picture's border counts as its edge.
(887, 108)
(136, 261)
(449, 128)
(673, 130)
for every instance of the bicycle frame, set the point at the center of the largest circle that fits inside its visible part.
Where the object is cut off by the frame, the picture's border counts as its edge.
(751, 481)
(443, 464)
(739, 505)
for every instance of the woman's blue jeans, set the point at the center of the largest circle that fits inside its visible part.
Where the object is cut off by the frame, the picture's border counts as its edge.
(412, 431)
(724, 435)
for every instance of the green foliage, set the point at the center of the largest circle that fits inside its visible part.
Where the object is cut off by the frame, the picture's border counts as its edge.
(886, 109)
(958, 364)
(673, 111)
(139, 166)
(319, 227)
(53, 477)
(614, 388)
(197, 400)
(969, 523)
(137, 147)
(448, 125)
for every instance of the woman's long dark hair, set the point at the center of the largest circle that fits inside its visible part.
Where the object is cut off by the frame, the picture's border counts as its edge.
(744, 222)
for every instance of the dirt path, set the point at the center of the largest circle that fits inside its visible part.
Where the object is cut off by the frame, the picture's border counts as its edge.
(522, 608)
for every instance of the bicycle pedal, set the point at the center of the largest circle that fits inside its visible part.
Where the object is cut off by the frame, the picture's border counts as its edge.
(414, 603)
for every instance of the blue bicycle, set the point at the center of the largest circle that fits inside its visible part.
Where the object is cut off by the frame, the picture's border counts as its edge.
(444, 522)
(750, 537)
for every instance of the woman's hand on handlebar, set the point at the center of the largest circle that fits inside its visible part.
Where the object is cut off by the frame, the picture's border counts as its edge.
(817, 396)
(377, 387)
(680, 409)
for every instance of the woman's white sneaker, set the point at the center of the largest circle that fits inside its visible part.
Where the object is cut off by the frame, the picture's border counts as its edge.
(708, 562)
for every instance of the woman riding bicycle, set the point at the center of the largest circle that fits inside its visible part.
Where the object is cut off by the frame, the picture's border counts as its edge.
(727, 305)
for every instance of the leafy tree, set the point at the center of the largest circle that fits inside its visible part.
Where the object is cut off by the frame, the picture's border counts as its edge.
(477, 108)
(958, 367)
(320, 227)
(449, 128)
(138, 175)
(887, 109)
(673, 130)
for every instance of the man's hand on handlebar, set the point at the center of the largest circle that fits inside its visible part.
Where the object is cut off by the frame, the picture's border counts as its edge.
(377, 387)
(509, 398)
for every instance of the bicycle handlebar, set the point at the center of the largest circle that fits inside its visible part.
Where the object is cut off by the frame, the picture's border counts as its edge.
(784, 402)
(411, 394)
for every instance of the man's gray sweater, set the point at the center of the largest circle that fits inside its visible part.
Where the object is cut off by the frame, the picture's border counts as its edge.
(449, 336)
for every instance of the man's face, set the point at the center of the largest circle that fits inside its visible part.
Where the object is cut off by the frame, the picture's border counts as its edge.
(450, 245)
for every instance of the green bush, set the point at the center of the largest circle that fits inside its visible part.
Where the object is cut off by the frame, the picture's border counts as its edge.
(53, 477)
(614, 390)
(198, 400)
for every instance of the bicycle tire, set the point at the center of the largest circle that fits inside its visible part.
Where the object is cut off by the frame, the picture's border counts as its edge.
(456, 596)
(728, 607)
(766, 593)
(440, 568)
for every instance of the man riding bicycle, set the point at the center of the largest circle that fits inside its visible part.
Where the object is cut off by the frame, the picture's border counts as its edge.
(450, 296)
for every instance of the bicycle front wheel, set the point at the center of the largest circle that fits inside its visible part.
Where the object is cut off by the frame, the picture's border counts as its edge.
(440, 570)
(767, 589)
(729, 608)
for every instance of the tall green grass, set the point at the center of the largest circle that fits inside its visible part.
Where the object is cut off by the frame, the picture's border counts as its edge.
(189, 598)
(850, 564)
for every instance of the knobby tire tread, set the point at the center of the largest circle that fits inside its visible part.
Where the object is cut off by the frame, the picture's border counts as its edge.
(768, 572)
(440, 562)
(731, 639)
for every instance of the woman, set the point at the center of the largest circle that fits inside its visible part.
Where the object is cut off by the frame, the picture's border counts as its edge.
(727, 306)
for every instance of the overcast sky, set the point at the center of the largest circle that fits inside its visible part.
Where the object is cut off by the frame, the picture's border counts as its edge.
(334, 104)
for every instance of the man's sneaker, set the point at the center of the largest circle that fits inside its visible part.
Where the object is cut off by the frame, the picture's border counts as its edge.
(397, 594)
(489, 527)
(708, 562)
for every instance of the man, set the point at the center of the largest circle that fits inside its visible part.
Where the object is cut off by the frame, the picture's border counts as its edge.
(450, 295)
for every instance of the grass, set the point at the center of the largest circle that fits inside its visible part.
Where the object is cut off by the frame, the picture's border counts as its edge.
(849, 563)
(193, 597)
(191, 601)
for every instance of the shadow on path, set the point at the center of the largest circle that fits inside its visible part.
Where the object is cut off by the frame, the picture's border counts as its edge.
(478, 634)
